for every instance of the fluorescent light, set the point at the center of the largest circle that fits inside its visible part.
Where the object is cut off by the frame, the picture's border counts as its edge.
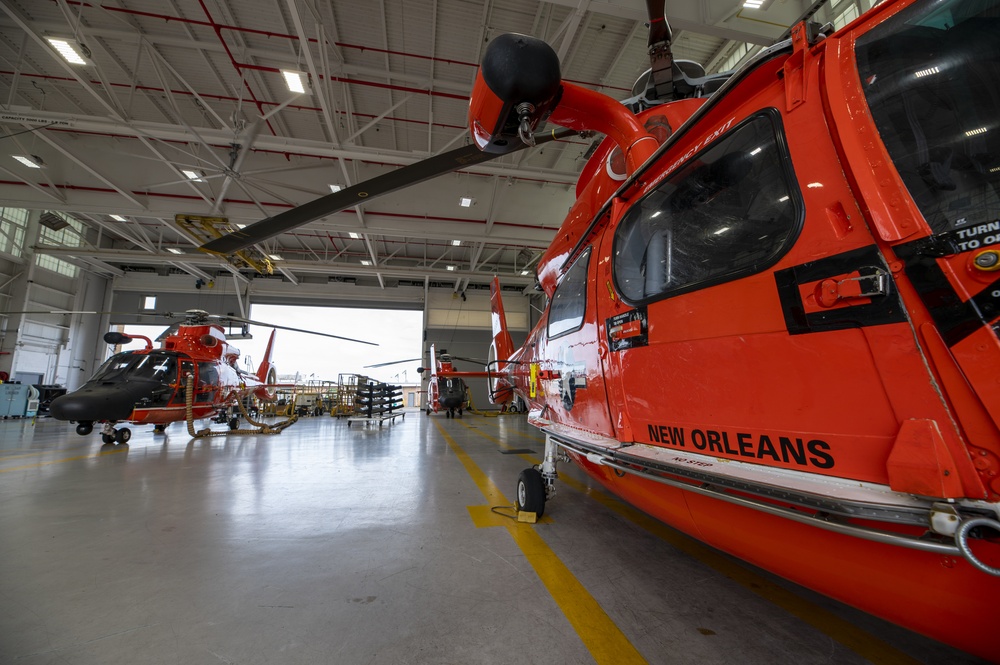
(466, 202)
(354, 235)
(524, 272)
(656, 214)
(193, 175)
(293, 80)
(450, 267)
(118, 218)
(978, 130)
(720, 231)
(755, 151)
(365, 262)
(31, 162)
(335, 188)
(69, 50)
(275, 257)
(814, 185)
(174, 250)
(456, 243)
(926, 72)
(241, 226)
(753, 4)
(782, 199)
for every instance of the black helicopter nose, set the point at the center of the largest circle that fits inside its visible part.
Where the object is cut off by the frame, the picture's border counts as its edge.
(94, 403)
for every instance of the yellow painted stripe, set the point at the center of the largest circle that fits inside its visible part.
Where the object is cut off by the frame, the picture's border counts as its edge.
(48, 451)
(599, 634)
(65, 459)
(851, 636)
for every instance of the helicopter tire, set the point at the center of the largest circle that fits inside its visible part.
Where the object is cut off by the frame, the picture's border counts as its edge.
(122, 435)
(108, 438)
(530, 492)
(84, 428)
(234, 423)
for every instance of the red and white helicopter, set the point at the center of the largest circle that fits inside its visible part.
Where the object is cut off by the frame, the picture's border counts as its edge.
(149, 386)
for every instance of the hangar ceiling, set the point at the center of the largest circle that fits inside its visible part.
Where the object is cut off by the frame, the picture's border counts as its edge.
(196, 86)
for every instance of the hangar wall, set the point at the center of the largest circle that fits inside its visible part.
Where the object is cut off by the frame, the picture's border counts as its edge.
(41, 346)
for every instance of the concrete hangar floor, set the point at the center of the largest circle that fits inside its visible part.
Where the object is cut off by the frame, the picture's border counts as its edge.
(330, 544)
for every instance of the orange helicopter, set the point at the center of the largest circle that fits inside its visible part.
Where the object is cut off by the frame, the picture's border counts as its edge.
(447, 390)
(773, 311)
(446, 387)
(148, 386)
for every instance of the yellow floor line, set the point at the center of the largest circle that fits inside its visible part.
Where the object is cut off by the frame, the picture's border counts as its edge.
(599, 634)
(60, 461)
(851, 636)
(36, 453)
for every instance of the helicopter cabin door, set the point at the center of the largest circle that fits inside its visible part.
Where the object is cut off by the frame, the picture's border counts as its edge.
(748, 313)
(572, 375)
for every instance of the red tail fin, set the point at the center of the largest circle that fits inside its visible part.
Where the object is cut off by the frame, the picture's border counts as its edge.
(502, 348)
(266, 372)
(503, 345)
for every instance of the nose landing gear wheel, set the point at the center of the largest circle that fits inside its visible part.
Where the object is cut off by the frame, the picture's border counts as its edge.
(108, 438)
(122, 435)
(530, 493)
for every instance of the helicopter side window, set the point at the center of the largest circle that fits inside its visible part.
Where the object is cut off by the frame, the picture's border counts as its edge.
(569, 303)
(207, 380)
(931, 76)
(731, 211)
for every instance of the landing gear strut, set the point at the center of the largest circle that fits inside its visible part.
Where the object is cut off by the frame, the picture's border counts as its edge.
(537, 485)
(111, 435)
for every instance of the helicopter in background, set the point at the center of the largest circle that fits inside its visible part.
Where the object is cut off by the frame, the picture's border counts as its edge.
(149, 386)
(773, 316)
(446, 387)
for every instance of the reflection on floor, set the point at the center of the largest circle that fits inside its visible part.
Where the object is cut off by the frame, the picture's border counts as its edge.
(329, 544)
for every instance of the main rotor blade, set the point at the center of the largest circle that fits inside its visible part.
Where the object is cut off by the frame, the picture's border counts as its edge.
(363, 192)
(394, 362)
(301, 330)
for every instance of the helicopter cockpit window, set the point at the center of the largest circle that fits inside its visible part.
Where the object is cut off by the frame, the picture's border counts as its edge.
(569, 303)
(155, 366)
(732, 210)
(931, 76)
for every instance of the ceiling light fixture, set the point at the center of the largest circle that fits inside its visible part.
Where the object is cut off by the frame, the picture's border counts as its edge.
(174, 250)
(275, 257)
(450, 267)
(31, 161)
(354, 235)
(118, 218)
(335, 188)
(365, 262)
(456, 243)
(294, 80)
(524, 272)
(193, 175)
(466, 202)
(72, 51)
